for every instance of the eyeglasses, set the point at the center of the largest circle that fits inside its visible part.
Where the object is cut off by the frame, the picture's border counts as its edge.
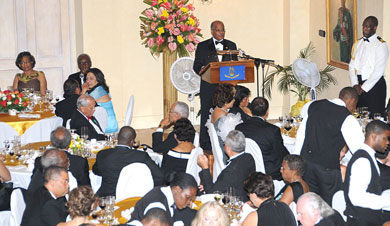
(217, 30)
(26, 62)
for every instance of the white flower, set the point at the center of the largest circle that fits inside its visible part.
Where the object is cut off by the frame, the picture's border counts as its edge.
(13, 95)
(4, 97)
(9, 102)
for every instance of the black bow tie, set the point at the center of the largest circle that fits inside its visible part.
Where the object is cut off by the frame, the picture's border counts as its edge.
(218, 42)
(366, 39)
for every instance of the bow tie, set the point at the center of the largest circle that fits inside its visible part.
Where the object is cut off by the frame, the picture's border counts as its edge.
(89, 118)
(218, 42)
(366, 39)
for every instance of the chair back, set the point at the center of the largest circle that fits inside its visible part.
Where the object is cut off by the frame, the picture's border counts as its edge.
(218, 165)
(41, 130)
(338, 203)
(6, 133)
(101, 116)
(68, 124)
(192, 165)
(72, 181)
(17, 206)
(129, 112)
(135, 180)
(253, 148)
(196, 140)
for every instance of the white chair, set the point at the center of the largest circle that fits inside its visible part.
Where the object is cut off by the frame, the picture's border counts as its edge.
(17, 207)
(72, 181)
(218, 165)
(192, 165)
(102, 117)
(68, 124)
(135, 180)
(6, 133)
(129, 112)
(253, 148)
(196, 139)
(41, 130)
(338, 203)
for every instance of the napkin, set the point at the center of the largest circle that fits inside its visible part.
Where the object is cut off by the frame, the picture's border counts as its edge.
(127, 213)
(26, 115)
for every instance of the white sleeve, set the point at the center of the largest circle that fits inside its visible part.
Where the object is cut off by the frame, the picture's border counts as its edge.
(300, 137)
(352, 133)
(359, 181)
(381, 56)
(352, 73)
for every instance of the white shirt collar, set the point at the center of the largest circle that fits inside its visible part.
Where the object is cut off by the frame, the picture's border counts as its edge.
(167, 191)
(372, 38)
(371, 152)
(236, 156)
(338, 101)
(217, 40)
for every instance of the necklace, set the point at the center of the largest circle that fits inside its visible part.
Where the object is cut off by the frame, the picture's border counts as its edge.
(223, 109)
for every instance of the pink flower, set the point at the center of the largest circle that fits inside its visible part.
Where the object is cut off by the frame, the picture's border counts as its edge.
(153, 25)
(160, 40)
(190, 47)
(176, 31)
(154, 2)
(183, 28)
(170, 39)
(149, 13)
(150, 42)
(172, 46)
(166, 5)
(191, 38)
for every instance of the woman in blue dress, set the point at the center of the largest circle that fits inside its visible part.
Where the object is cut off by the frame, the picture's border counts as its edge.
(95, 85)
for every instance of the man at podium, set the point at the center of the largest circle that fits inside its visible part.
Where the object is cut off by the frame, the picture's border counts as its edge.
(206, 52)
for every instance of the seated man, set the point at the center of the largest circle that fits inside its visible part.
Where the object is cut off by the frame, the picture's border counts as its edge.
(51, 157)
(313, 210)
(83, 117)
(362, 185)
(239, 166)
(78, 166)
(84, 63)
(66, 107)
(154, 216)
(175, 200)
(178, 110)
(46, 206)
(266, 135)
(109, 163)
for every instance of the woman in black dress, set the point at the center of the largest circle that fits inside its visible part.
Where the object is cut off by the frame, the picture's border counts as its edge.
(241, 103)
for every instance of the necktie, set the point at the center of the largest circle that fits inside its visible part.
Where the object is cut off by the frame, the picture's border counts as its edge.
(218, 42)
(366, 39)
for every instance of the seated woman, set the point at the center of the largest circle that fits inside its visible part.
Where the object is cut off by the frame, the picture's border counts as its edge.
(211, 213)
(95, 85)
(241, 102)
(223, 121)
(66, 107)
(293, 169)
(260, 188)
(175, 160)
(29, 78)
(81, 203)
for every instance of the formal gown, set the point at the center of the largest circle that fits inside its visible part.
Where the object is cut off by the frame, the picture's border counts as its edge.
(174, 161)
(112, 124)
(30, 81)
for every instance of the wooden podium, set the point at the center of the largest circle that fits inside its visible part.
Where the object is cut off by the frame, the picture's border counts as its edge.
(211, 73)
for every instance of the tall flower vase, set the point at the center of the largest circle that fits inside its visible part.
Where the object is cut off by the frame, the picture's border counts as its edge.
(170, 93)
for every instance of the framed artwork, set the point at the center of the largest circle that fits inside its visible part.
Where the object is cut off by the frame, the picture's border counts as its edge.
(341, 31)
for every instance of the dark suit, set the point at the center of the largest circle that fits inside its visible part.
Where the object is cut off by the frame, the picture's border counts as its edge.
(161, 146)
(78, 166)
(206, 53)
(66, 107)
(270, 141)
(78, 120)
(110, 162)
(332, 220)
(232, 176)
(43, 210)
(76, 76)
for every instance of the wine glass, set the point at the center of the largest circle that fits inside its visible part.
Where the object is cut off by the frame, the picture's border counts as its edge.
(218, 196)
(136, 144)
(84, 132)
(49, 95)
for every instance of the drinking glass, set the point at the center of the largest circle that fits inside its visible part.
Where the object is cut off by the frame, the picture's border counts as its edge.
(377, 116)
(84, 132)
(218, 196)
(49, 95)
(136, 144)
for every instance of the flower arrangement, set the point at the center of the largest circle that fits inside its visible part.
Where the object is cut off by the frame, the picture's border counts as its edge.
(77, 145)
(169, 26)
(13, 100)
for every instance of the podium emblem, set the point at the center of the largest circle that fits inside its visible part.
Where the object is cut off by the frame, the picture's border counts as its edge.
(232, 73)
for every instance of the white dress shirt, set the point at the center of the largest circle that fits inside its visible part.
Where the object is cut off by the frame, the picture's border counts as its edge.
(360, 179)
(350, 129)
(96, 127)
(218, 47)
(369, 60)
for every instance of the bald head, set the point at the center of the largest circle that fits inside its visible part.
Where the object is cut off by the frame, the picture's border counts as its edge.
(55, 157)
(60, 137)
(126, 135)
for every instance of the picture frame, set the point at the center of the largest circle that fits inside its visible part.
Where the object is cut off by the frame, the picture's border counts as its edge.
(341, 31)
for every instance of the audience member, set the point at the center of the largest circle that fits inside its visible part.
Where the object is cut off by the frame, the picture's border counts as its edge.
(95, 85)
(175, 200)
(260, 188)
(83, 117)
(154, 217)
(362, 185)
(84, 63)
(239, 166)
(211, 213)
(241, 103)
(266, 135)
(326, 127)
(78, 166)
(4, 172)
(175, 160)
(384, 167)
(313, 210)
(30, 78)
(82, 201)
(66, 107)
(178, 110)
(293, 169)
(46, 206)
(110, 162)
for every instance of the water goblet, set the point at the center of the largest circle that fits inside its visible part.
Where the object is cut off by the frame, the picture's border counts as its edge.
(84, 132)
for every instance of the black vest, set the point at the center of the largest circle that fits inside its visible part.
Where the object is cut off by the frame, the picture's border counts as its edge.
(369, 215)
(323, 138)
